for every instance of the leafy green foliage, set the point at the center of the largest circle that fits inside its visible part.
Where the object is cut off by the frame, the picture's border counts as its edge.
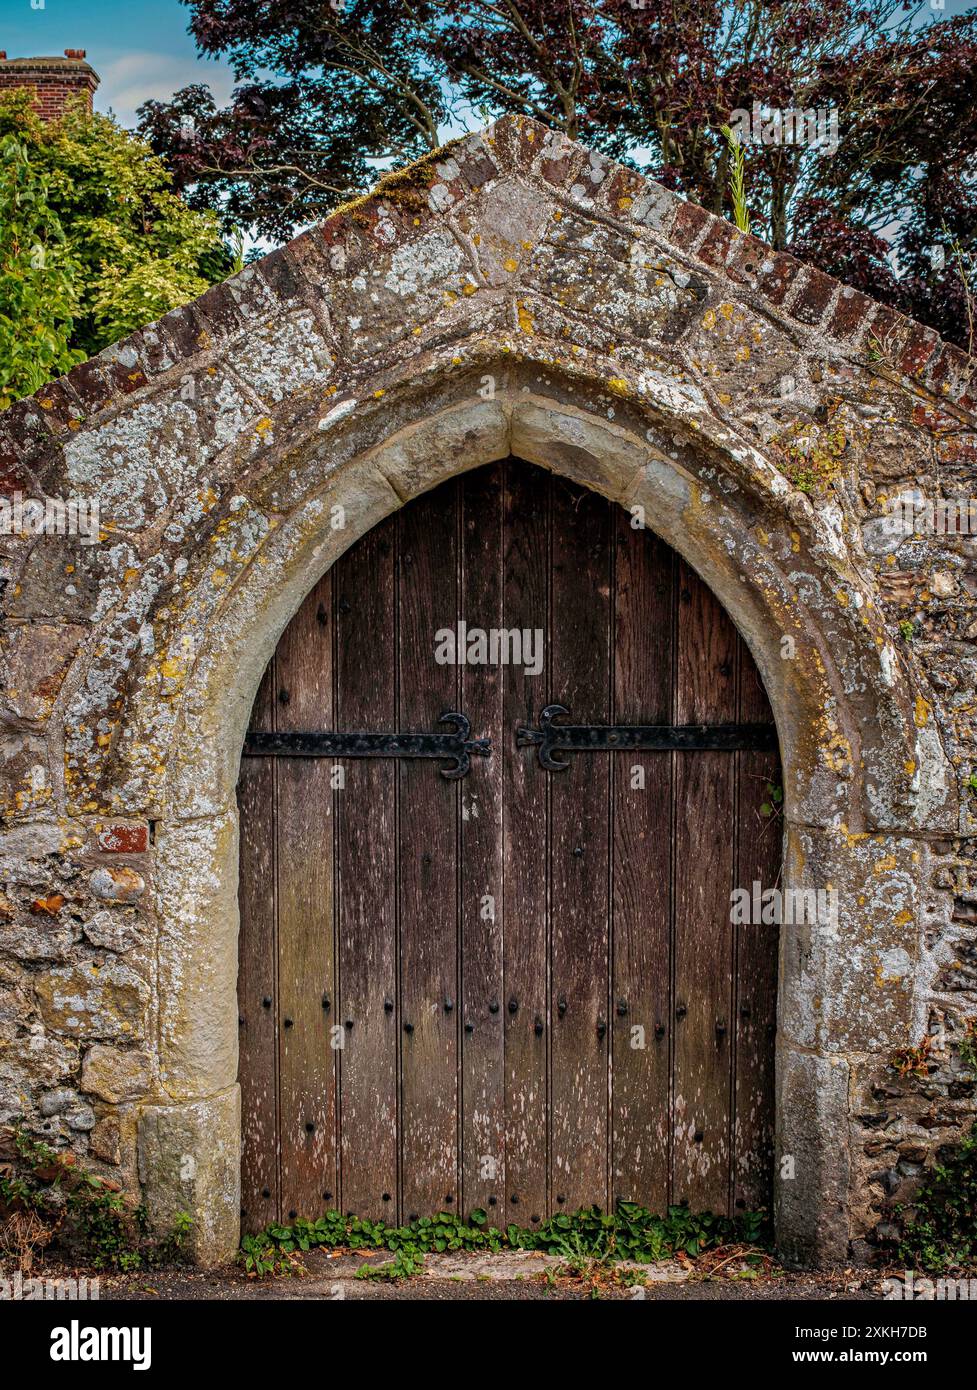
(94, 243)
(939, 1230)
(77, 1210)
(773, 803)
(629, 1233)
(402, 1266)
(38, 298)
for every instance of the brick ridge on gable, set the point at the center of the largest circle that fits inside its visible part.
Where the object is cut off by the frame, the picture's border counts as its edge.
(525, 147)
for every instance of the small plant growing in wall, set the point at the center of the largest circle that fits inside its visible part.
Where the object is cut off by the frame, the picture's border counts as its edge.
(49, 1200)
(907, 630)
(967, 1048)
(811, 453)
(913, 1061)
(939, 1230)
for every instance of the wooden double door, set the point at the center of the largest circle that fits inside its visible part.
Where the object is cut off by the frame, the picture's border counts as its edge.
(519, 989)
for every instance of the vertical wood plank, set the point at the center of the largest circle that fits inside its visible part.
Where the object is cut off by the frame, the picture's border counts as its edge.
(480, 868)
(306, 975)
(428, 590)
(525, 841)
(704, 814)
(579, 852)
(257, 986)
(641, 917)
(366, 879)
(757, 860)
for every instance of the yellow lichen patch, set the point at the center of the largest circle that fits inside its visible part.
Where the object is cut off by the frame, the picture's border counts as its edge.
(886, 863)
(725, 398)
(709, 318)
(743, 354)
(263, 426)
(218, 578)
(922, 712)
(726, 310)
(619, 386)
(525, 319)
(469, 288)
(909, 768)
(903, 918)
(510, 265)
(624, 203)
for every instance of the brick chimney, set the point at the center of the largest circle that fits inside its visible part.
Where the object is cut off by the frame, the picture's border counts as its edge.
(55, 80)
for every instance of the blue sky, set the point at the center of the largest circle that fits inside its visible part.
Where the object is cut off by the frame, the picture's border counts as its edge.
(139, 48)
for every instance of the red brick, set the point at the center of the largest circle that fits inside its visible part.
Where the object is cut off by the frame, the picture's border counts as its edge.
(745, 259)
(817, 291)
(90, 385)
(717, 243)
(690, 221)
(946, 368)
(776, 283)
(60, 408)
(123, 839)
(850, 313)
(966, 397)
(54, 81)
(889, 328)
(919, 348)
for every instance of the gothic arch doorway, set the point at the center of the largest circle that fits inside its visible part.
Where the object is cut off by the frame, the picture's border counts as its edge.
(519, 989)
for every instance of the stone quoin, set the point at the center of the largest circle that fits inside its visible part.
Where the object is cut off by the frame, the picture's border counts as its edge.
(512, 294)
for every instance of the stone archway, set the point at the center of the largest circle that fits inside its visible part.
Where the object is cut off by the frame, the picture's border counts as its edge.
(242, 444)
(198, 1042)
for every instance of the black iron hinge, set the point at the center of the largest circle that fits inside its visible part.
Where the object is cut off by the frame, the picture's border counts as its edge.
(456, 746)
(615, 738)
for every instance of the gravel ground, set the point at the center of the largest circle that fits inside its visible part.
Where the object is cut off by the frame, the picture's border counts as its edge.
(510, 1275)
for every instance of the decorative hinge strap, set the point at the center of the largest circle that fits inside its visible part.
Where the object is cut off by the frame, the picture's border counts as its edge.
(549, 738)
(456, 746)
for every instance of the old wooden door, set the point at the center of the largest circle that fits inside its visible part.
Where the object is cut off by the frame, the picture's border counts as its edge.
(520, 989)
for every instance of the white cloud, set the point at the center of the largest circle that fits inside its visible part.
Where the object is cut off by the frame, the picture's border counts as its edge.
(132, 78)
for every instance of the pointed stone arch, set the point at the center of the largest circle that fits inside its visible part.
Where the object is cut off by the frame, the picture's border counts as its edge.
(512, 295)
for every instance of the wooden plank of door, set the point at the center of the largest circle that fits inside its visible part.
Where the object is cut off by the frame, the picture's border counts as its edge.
(365, 698)
(641, 843)
(579, 851)
(758, 859)
(257, 987)
(480, 867)
(704, 815)
(306, 974)
(527, 501)
(428, 599)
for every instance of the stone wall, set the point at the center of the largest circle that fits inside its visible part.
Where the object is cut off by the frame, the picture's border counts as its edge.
(514, 293)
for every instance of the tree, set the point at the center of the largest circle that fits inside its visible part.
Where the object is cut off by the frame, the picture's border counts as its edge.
(94, 242)
(37, 280)
(651, 82)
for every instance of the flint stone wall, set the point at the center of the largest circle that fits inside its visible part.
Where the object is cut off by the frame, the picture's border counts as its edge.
(512, 294)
